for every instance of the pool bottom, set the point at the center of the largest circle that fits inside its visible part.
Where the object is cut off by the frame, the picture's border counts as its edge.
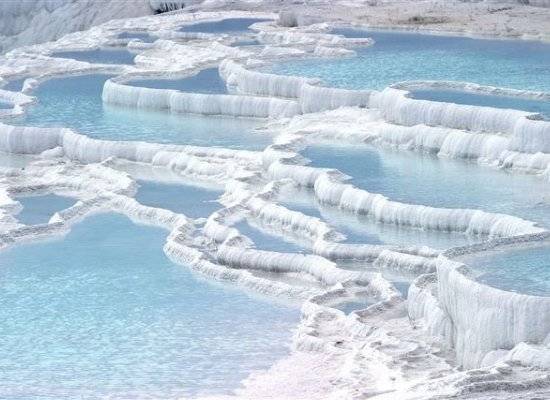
(103, 313)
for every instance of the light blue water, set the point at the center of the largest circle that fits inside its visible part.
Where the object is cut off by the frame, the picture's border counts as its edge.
(265, 241)
(361, 229)
(39, 209)
(144, 37)
(10, 160)
(428, 180)
(250, 42)
(99, 56)
(5, 106)
(206, 81)
(359, 303)
(75, 102)
(476, 99)
(15, 85)
(397, 57)
(524, 271)
(104, 314)
(192, 201)
(230, 25)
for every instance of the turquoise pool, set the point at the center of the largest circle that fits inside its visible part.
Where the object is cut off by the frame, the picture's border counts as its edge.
(104, 313)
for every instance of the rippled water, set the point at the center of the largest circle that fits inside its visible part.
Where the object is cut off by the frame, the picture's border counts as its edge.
(75, 102)
(398, 56)
(103, 313)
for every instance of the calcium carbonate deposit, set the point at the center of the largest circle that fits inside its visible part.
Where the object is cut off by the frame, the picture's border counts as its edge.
(230, 204)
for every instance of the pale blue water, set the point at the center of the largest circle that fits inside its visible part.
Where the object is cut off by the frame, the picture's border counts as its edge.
(524, 271)
(265, 241)
(75, 102)
(99, 56)
(361, 229)
(398, 56)
(10, 160)
(250, 42)
(476, 99)
(39, 209)
(229, 25)
(104, 314)
(359, 303)
(206, 81)
(428, 180)
(144, 37)
(192, 201)
(5, 106)
(15, 85)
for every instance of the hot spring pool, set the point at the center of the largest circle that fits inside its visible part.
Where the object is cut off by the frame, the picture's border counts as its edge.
(104, 313)
(486, 100)
(228, 25)
(524, 271)
(428, 180)
(205, 81)
(399, 56)
(75, 102)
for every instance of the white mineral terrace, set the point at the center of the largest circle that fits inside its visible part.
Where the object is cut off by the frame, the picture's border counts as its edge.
(449, 336)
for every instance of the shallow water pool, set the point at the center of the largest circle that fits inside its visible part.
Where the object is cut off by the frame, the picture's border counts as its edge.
(399, 56)
(15, 85)
(103, 313)
(192, 201)
(524, 271)
(142, 36)
(75, 102)
(360, 229)
(266, 241)
(229, 25)
(206, 81)
(428, 180)
(99, 56)
(39, 209)
(486, 100)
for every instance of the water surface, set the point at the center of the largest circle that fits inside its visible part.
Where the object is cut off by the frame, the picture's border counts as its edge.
(263, 240)
(485, 100)
(428, 180)
(142, 36)
(192, 201)
(524, 271)
(99, 56)
(104, 314)
(39, 209)
(398, 56)
(206, 81)
(75, 102)
(229, 25)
